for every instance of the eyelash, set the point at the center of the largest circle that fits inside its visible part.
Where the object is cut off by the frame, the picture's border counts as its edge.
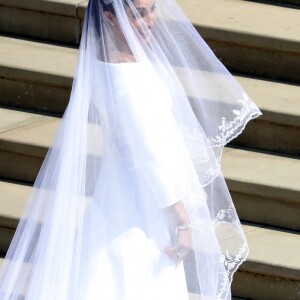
(141, 12)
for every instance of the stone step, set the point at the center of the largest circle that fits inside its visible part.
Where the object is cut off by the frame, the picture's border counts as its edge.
(293, 3)
(43, 81)
(256, 180)
(227, 25)
(278, 129)
(36, 75)
(13, 198)
(271, 272)
(191, 296)
(42, 19)
(265, 187)
(25, 139)
(248, 37)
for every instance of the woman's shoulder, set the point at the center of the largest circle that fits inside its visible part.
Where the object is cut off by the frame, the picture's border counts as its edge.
(119, 61)
(122, 57)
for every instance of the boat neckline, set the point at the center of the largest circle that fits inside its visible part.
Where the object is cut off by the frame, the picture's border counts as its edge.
(117, 64)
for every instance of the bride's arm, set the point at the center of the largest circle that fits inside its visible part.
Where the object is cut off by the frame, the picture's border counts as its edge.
(182, 230)
(179, 214)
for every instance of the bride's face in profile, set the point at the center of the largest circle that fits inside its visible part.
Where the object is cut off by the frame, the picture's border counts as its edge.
(146, 14)
(147, 11)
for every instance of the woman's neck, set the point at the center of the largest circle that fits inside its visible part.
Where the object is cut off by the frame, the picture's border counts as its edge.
(122, 53)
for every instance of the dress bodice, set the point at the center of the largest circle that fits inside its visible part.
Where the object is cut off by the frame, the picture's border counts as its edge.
(136, 107)
(135, 99)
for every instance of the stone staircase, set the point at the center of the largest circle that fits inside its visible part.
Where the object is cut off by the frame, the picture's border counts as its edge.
(260, 42)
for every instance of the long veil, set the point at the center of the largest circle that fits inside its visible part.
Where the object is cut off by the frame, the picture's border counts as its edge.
(150, 111)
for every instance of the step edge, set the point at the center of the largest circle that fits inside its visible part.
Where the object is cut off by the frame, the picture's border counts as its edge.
(50, 7)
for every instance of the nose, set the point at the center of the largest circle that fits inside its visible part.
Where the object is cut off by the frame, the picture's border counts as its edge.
(150, 20)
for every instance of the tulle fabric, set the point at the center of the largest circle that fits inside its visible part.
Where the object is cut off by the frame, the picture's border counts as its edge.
(138, 136)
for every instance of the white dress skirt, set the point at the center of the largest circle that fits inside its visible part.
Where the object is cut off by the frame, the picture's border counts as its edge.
(125, 233)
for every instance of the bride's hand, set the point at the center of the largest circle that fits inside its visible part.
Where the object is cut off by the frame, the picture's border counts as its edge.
(183, 245)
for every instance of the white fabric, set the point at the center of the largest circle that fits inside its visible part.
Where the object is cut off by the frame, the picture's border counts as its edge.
(133, 265)
(150, 112)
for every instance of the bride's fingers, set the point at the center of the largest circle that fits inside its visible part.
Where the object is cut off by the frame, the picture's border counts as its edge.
(176, 252)
(183, 245)
(171, 251)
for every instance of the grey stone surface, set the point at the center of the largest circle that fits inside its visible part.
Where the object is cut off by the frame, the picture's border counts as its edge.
(40, 25)
(43, 80)
(13, 198)
(40, 81)
(280, 2)
(249, 37)
(246, 22)
(34, 95)
(60, 7)
(247, 46)
(278, 101)
(260, 181)
(243, 45)
(6, 235)
(273, 252)
(271, 136)
(262, 174)
(257, 180)
(15, 148)
(257, 61)
(264, 287)
(267, 210)
(37, 62)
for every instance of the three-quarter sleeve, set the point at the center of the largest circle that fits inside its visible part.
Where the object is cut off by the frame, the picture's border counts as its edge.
(147, 131)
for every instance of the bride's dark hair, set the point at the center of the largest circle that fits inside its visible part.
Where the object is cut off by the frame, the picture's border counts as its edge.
(107, 7)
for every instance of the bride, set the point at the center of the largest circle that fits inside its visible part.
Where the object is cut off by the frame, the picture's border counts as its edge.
(130, 202)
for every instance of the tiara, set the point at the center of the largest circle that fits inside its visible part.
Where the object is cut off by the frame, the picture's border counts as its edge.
(107, 2)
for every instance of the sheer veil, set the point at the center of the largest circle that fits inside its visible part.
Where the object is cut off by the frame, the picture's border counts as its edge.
(150, 111)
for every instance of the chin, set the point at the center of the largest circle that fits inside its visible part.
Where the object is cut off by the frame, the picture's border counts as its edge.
(146, 35)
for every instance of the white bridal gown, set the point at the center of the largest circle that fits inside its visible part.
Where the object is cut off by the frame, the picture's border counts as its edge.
(126, 228)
